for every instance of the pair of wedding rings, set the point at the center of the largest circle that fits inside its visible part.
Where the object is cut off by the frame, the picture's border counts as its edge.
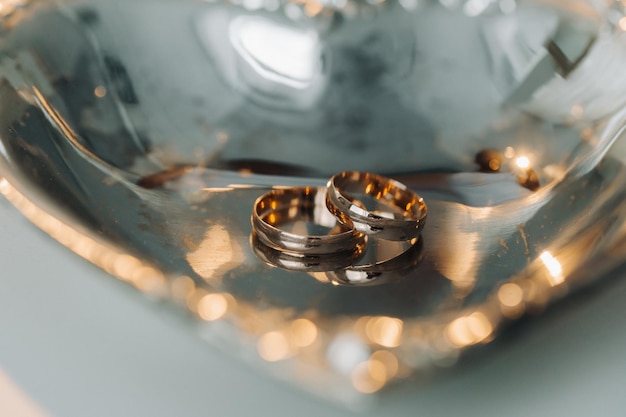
(352, 208)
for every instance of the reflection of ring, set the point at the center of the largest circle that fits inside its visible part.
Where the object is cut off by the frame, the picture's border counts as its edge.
(408, 210)
(380, 272)
(283, 206)
(309, 262)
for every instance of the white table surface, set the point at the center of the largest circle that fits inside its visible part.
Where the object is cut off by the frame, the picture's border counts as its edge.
(76, 342)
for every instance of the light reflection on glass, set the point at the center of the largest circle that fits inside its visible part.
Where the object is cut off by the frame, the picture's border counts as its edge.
(149, 280)
(458, 256)
(212, 307)
(321, 277)
(124, 265)
(577, 111)
(554, 267)
(279, 53)
(313, 8)
(377, 370)
(182, 287)
(363, 380)
(100, 91)
(4, 186)
(510, 295)
(469, 330)
(385, 331)
(522, 162)
(389, 360)
(193, 299)
(346, 351)
(6, 8)
(273, 346)
(304, 332)
(215, 255)
(535, 294)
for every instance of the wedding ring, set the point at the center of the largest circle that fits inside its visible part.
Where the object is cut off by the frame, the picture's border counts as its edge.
(341, 268)
(294, 261)
(404, 215)
(281, 207)
(380, 272)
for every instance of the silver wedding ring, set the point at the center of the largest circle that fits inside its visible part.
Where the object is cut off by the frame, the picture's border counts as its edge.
(403, 213)
(281, 207)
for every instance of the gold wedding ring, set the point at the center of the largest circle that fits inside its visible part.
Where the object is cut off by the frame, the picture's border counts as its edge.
(325, 229)
(380, 272)
(305, 262)
(281, 207)
(403, 215)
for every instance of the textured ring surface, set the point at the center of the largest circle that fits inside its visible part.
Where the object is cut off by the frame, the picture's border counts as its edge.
(305, 262)
(282, 206)
(404, 215)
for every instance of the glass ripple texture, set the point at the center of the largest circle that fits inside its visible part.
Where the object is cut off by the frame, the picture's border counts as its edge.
(140, 133)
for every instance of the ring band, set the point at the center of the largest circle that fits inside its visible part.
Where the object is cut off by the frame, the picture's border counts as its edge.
(293, 261)
(381, 272)
(405, 219)
(282, 206)
(340, 268)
